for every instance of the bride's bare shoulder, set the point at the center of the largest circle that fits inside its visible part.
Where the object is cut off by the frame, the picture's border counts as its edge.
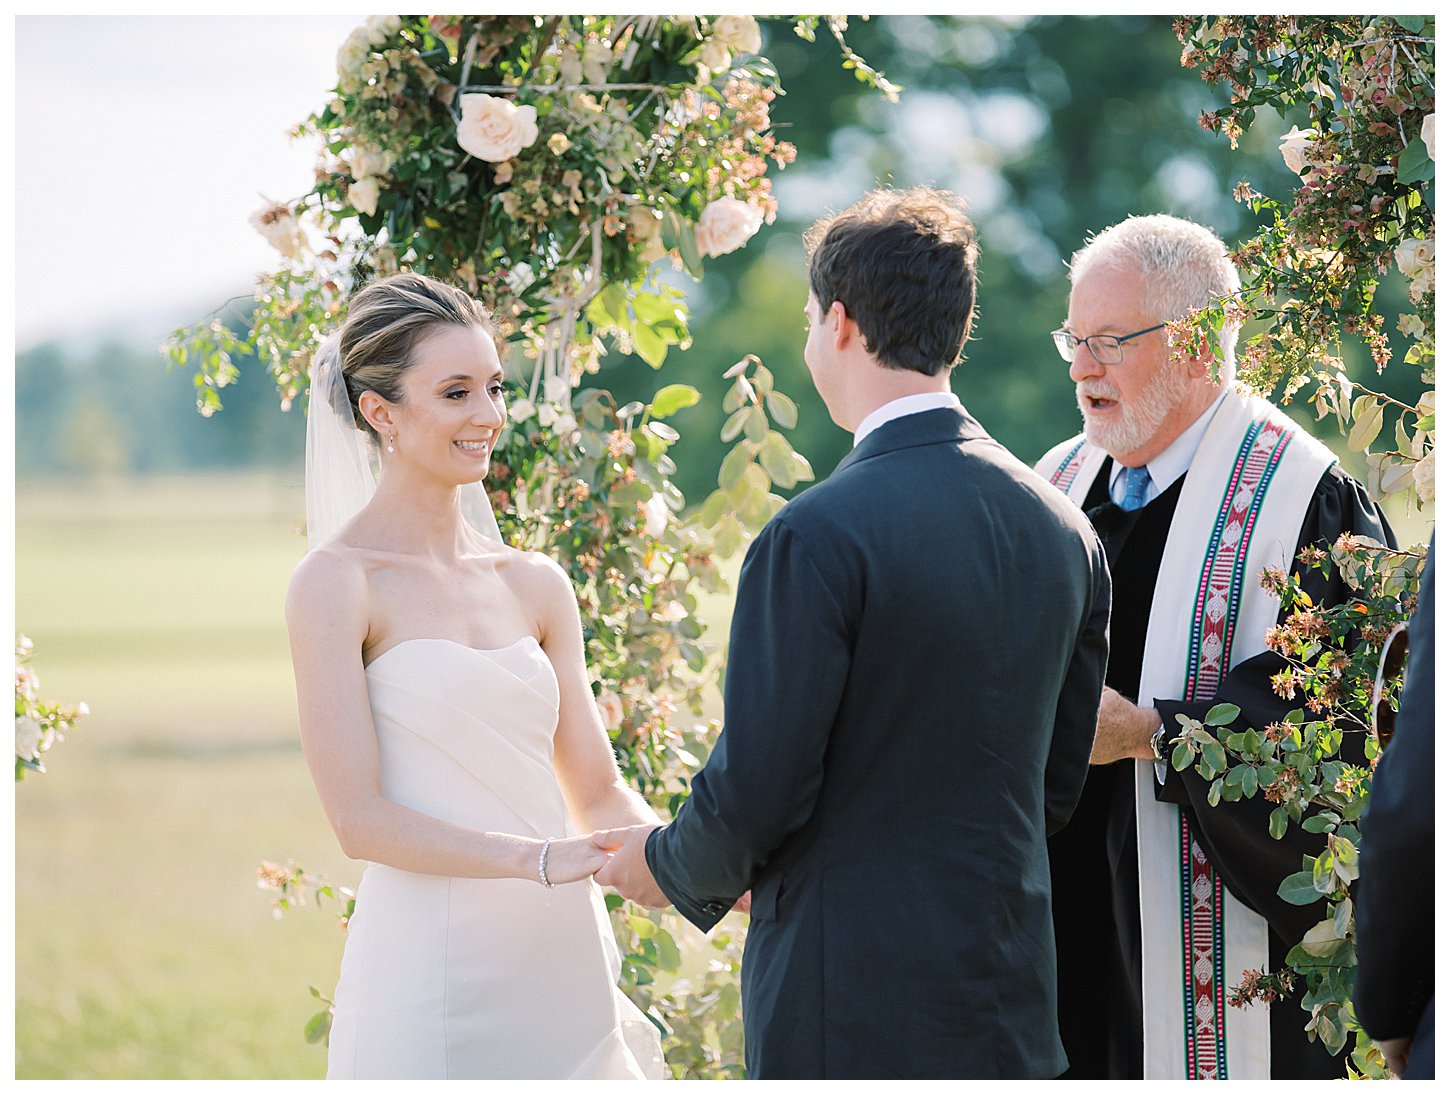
(330, 577)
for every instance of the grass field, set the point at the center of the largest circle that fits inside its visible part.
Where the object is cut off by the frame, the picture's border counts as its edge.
(143, 947)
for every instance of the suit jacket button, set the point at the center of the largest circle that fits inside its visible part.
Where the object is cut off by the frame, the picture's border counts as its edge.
(713, 906)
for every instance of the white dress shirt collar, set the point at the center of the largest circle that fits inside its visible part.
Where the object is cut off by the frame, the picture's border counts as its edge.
(1165, 468)
(900, 408)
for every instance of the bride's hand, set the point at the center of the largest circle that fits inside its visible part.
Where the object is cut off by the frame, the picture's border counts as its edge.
(575, 858)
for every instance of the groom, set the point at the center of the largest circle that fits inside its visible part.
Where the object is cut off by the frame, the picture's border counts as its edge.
(916, 657)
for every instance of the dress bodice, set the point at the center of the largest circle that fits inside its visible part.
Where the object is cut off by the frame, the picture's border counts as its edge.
(467, 735)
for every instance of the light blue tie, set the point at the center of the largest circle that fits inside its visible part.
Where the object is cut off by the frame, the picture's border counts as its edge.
(1135, 487)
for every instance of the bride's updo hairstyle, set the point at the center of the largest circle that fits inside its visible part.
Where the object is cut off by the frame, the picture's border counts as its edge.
(385, 321)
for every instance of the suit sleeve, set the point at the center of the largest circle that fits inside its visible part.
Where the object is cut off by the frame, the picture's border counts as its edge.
(1395, 905)
(1235, 835)
(1077, 704)
(790, 646)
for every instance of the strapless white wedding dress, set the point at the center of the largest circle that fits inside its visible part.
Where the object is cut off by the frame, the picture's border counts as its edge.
(464, 978)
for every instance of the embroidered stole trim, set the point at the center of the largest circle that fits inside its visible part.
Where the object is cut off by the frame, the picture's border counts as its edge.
(1262, 472)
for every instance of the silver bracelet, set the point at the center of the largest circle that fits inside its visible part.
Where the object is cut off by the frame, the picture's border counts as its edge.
(544, 864)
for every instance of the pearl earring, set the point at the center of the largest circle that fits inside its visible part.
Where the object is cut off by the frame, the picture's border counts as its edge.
(391, 439)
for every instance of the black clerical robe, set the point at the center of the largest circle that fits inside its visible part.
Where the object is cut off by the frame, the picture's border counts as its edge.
(1094, 859)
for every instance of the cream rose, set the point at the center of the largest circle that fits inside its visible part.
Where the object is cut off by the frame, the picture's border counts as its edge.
(495, 129)
(280, 228)
(367, 160)
(1427, 134)
(556, 389)
(27, 737)
(354, 51)
(725, 226)
(715, 55)
(521, 409)
(362, 195)
(1416, 260)
(611, 709)
(740, 32)
(381, 27)
(1294, 147)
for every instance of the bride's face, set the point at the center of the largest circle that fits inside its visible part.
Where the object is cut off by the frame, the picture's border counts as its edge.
(453, 404)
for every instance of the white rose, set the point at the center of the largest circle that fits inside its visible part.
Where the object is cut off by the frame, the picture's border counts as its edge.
(1294, 147)
(27, 737)
(548, 414)
(715, 56)
(611, 710)
(740, 32)
(520, 277)
(656, 514)
(521, 410)
(280, 228)
(1416, 260)
(556, 389)
(1425, 478)
(1411, 326)
(382, 27)
(598, 58)
(363, 195)
(725, 226)
(565, 425)
(367, 160)
(495, 129)
(1427, 134)
(672, 613)
(354, 51)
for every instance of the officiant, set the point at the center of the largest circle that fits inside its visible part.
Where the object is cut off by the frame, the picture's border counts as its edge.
(1161, 901)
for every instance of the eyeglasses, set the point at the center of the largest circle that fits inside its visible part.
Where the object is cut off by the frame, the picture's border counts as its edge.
(1106, 349)
(1392, 664)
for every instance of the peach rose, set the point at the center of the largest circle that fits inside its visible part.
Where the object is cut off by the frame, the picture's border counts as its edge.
(725, 226)
(495, 129)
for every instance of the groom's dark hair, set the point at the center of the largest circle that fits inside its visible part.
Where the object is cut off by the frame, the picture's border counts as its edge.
(903, 263)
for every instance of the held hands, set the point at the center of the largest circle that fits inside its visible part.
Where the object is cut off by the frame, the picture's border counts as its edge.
(1124, 729)
(626, 869)
(573, 859)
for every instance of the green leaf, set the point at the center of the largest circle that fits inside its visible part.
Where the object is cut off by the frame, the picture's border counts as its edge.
(317, 1028)
(1215, 756)
(1320, 823)
(1415, 164)
(1221, 715)
(650, 346)
(1182, 756)
(782, 409)
(714, 508)
(776, 458)
(672, 398)
(1215, 792)
(669, 951)
(1344, 918)
(1299, 889)
(756, 425)
(1367, 424)
(1278, 823)
(1321, 940)
(734, 424)
(732, 468)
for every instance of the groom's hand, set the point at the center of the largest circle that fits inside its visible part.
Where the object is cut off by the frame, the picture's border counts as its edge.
(628, 872)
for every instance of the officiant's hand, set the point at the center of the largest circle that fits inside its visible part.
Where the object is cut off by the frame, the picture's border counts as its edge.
(1124, 729)
(627, 871)
(1396, 1052)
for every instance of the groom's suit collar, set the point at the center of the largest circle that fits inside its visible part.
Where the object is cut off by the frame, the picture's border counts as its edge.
(946, 424)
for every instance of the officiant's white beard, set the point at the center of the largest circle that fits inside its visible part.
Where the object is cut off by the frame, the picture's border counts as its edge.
(1140, 418)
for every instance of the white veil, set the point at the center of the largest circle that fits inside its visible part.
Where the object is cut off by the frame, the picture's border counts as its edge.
(339, 477)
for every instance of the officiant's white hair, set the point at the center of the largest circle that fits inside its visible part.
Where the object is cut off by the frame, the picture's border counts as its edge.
(1184, 267)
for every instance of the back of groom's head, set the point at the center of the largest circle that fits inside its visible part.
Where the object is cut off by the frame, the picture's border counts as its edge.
(903, 263)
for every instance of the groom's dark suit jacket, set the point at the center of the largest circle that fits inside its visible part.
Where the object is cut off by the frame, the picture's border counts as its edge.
(916, 660)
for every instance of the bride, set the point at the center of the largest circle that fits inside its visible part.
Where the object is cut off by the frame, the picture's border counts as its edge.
(448, 724)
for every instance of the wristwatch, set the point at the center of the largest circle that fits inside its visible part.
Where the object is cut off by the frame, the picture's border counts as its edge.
(1158, 741)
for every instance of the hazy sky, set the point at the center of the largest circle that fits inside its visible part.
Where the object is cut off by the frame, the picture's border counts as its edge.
(143, 143)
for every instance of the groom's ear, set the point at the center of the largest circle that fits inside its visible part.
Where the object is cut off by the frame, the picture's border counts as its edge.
(843, 327)
(377, 411)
